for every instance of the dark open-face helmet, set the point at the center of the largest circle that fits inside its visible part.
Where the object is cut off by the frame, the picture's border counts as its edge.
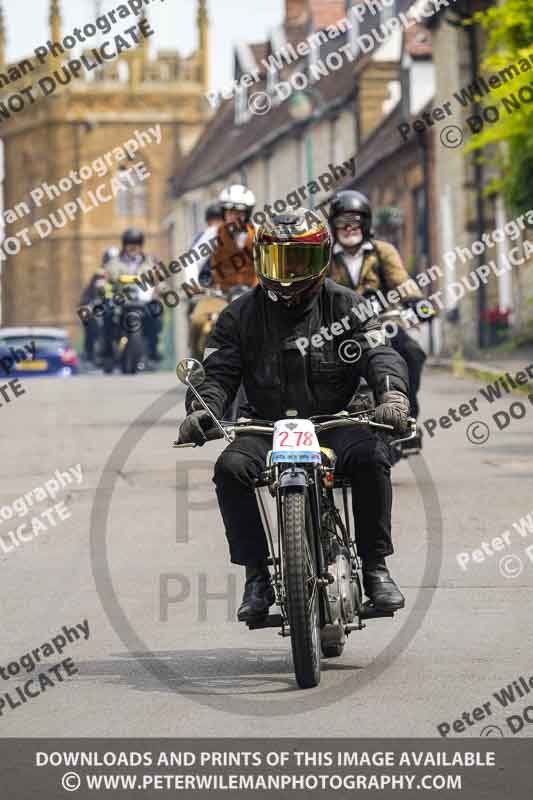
(133, 236)
(351, 207)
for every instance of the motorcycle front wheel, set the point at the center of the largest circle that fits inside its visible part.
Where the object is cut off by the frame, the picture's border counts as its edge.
(132, 355)
(301, 590)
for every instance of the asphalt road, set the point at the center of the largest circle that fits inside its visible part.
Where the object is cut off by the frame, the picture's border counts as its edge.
(162, 659)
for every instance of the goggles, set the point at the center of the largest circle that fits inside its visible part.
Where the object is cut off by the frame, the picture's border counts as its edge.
(348, 221)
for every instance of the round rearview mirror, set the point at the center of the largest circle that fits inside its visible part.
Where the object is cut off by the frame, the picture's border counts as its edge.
(190, 371)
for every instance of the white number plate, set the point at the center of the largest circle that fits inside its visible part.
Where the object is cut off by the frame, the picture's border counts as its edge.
(295, 440)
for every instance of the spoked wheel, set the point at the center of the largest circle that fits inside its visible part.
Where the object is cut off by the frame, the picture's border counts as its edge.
(302, 592)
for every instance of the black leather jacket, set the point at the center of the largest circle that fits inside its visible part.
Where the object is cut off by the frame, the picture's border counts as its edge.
(254, 340)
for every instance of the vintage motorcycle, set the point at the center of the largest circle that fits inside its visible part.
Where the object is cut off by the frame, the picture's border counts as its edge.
(316, 572)
(218, 300)
(127, 326)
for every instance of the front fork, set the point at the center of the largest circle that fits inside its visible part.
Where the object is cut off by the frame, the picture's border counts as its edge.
(279, 482)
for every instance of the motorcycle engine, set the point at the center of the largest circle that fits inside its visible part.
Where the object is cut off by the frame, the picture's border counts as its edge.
(341, 593)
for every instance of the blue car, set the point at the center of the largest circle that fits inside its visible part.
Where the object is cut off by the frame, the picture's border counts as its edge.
(36, 351)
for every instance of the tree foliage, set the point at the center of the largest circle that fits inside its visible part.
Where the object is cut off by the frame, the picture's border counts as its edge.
(510, 41)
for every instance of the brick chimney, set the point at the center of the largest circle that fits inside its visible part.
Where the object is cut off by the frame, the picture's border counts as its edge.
(296, 12)
(323, 12)
(327, 12)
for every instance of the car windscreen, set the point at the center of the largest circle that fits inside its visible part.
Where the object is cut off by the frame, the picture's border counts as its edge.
(43, 344)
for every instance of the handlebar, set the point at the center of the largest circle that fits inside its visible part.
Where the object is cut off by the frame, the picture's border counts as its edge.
(267, 428)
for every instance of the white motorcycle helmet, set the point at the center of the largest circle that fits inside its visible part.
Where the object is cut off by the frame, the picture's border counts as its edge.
(238, 197)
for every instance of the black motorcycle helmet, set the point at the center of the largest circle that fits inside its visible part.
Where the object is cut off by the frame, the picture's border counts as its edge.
(351, 202)
(132, 236)
(214, 211)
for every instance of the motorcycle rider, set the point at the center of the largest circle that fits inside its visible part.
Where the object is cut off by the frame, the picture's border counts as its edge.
(232, 261)
(93, 293)
(254, 341)
(131, 260)
(214, 217)
(366, 264)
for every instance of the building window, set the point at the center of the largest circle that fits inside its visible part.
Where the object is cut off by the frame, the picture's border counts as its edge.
(272, 79)
(132, 199)
(242, 112)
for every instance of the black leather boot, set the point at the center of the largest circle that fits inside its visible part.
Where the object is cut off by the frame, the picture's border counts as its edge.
(258, 594)
(380, 587)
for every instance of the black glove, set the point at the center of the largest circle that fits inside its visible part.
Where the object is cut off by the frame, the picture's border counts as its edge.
(393, 410)
(198, 427)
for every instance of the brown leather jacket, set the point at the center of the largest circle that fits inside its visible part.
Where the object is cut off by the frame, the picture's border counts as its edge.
(382, 269)
(232, 265)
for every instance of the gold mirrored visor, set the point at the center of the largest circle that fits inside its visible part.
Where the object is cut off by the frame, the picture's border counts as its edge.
(288, 263)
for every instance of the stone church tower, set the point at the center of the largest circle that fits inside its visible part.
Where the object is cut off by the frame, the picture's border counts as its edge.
(46, 136)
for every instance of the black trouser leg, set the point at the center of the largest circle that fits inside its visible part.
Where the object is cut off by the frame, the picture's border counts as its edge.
(237, 468)
(91, 334)
(152, 327)
(414, 357)
(109, 333)
(363, 457)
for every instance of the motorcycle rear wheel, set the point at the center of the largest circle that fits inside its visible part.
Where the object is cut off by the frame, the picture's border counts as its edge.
(302, 591)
